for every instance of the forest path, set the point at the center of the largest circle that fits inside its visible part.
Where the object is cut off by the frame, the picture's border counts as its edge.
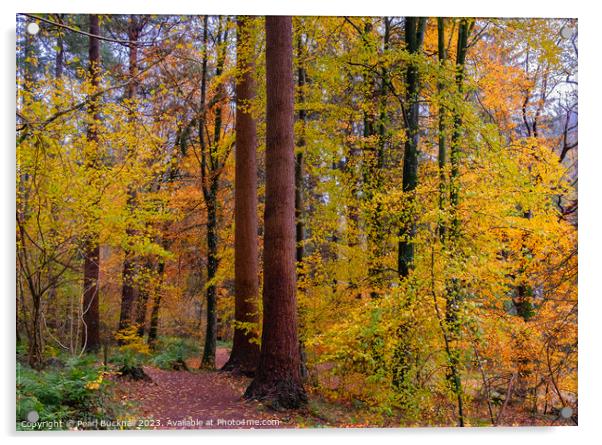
(198, 400)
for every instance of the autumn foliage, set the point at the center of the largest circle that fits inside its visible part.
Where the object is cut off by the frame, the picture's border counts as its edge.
(479, 326)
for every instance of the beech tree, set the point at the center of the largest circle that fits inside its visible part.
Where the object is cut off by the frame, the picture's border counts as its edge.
(414, 36)
(212, 160)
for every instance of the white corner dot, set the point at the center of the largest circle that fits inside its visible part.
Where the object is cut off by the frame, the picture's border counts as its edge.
(566, 32)
(33, 416)
(33, 28)
(566, 412)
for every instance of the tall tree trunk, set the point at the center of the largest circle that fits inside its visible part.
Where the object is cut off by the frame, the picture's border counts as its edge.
(245, 346)
(278, 378)
(453, 287)
(91, 316)
(414, 36)
(299, 172)
(208, 360)
(376, 231)
(299, 226)
(210, 171)
(457, 130)
(404, 350)
(128, 291)
(442, 154)
(371, 174)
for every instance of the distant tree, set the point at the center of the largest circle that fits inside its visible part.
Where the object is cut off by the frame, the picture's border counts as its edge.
(212, 161)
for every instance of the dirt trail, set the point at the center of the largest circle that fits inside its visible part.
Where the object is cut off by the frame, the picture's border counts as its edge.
(199, 400)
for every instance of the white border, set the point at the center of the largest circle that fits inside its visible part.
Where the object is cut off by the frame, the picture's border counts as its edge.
(590, 215)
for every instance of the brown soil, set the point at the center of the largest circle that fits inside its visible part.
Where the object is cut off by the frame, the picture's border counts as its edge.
(198, 400)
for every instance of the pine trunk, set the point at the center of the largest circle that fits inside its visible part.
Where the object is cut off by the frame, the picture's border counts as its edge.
(278, 377)
(91, 316)
(128, 292)
(245, 346)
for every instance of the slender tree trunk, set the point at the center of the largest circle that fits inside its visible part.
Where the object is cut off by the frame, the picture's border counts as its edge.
(91, 316)
(371, 174)
(376, 232)
(442, 154)
(245, 346)
(453, 287)
(457, 130)
(154, 318)
(404, 350)
(210, 171)
(142, 302)
(414, 35)
(299, 226)
(208, 360)
(299, 172)
(17, 319)
(58, 74)
(60, 51)
(36, 344)
(128, 292)
(278, 378)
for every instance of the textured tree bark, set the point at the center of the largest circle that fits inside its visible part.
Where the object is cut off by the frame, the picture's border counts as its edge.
(245, 346)
(375, 179)
(90, 311)
(453, 286)
(414, 36)
(442, 153)
(142, 302)
(404, 349)
(463, 33)
(128, 292)
(278, 379)
(299, 172)
(91, 316)
(208, 360)
(299, 226)
(370, 162)
(210, 171)
(36, 342)
(154, 318)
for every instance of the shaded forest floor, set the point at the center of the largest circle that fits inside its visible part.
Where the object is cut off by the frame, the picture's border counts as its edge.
(202, 399)
(198, 399)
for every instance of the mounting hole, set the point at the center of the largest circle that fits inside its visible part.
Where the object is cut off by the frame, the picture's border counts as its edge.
(33, 416)
(33, 28)
(567, 32)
